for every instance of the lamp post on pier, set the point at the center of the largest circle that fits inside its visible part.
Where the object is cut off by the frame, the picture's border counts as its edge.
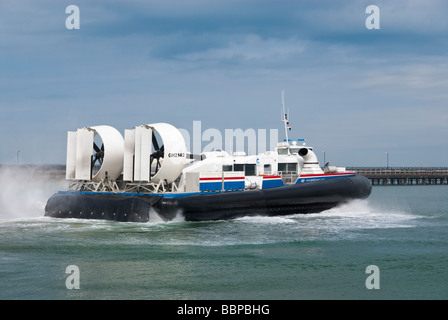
(387, 160)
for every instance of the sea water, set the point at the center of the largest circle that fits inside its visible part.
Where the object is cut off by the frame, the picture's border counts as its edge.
(399, 230)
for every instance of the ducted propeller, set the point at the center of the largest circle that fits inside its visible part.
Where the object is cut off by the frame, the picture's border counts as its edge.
(157, 155)
(153, 152)
(98, 154)
(97, 159)
(87, 161)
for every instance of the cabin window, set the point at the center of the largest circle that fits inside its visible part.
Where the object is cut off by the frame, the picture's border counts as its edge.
(287, 167)
(282, 167)
(248, 168)
(267, 168)
(282, 151)
(294, 150)
(227, 168)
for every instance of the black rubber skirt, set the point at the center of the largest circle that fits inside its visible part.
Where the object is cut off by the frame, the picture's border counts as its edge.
(310, 197)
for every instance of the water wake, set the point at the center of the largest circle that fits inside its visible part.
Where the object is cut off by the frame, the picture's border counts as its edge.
(366, 214)
(354, 215)
(155, 218)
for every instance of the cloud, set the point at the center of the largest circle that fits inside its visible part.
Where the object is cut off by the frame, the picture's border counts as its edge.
(225, 63)
(250, 48)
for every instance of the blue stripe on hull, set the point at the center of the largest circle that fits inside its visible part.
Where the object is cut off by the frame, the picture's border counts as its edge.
(320, 178)
(273, 183)
(228, 185)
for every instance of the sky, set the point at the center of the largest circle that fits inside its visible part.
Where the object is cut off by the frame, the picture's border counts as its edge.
(357, 95)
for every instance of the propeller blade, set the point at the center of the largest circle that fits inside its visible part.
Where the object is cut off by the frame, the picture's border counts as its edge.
(157, 165)
(154, 141)
(96, 147)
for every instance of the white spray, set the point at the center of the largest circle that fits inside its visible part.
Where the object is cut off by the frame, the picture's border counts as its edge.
(24, 191)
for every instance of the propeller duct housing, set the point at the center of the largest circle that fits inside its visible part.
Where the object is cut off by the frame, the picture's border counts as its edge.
(148, 158)
(83, 154)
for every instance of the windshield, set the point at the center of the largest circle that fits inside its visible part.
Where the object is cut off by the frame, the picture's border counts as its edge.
(282, 151)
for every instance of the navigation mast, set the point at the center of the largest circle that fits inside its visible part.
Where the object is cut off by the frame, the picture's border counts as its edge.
(284, 118)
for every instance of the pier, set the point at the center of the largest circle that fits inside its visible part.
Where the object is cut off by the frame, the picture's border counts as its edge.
(384, 176)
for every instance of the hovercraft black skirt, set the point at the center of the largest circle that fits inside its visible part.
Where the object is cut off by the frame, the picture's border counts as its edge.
(310, 197)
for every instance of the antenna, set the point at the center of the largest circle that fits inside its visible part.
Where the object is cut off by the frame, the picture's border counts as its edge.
(284, 117)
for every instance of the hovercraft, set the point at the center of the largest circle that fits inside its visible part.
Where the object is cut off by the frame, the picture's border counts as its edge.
(149, 174)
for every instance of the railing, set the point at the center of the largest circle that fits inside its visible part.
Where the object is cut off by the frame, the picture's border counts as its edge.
(385, 170)
(402, 171)
(404, 175)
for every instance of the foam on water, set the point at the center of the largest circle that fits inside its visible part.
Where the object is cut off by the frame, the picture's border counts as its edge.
(354, 214)
(267, 220)
(155, 218)
(364, 214)
(343, 222)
